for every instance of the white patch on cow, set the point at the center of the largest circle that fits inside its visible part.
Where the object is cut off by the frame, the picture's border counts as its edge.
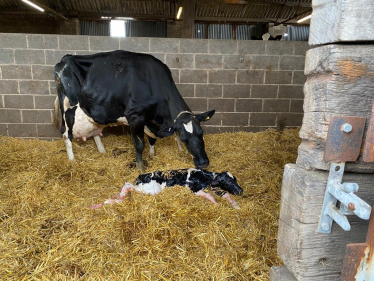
(188, 127)
(84, 126)
(230, 175)
(123, 120)
(151, 188)
(189, 174)
(151, 150)
(99, 144)
(67, 104)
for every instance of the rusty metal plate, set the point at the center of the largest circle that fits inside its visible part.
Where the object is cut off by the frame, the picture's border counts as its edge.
(368, 153)
(342, 144)
(358, 262)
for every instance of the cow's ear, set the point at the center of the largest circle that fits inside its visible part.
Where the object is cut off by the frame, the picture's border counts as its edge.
(166, 132)
(205, 116)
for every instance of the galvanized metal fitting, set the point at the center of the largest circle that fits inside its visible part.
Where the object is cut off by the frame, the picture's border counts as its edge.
(347, 128)
(350, 187)
(325, 226)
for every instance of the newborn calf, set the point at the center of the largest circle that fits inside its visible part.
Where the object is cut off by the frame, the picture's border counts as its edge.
(197, 180)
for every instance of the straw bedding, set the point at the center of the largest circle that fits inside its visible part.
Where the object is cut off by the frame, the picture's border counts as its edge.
(48, 232)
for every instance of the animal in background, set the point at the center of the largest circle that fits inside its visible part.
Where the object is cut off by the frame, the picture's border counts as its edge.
(134, 89)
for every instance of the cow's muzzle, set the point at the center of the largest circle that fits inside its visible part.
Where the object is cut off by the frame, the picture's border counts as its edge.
(201, 164)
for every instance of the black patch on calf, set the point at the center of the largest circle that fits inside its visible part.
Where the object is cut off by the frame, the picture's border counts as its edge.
(70, 118)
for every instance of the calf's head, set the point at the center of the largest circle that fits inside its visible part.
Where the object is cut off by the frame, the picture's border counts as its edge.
(227, 182)
(188, 127)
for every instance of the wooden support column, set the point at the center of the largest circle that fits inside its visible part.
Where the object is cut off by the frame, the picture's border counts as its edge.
(339, 83)
(188, 18)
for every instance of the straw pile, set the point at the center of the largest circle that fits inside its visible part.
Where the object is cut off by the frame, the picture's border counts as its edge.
(48, 232)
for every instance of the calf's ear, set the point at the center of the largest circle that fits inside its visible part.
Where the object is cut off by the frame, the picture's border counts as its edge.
(166, 132)
(205, 116)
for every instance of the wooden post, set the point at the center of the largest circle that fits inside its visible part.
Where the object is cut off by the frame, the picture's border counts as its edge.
(339, 82)
(188, 18)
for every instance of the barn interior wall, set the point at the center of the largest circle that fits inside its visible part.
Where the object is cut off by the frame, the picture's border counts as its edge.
(23, 23)
(174, 29)
(252, 85)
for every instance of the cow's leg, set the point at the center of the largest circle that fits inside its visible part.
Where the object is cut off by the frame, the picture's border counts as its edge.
(152, 142)
(137, 133)
(99, 144)
(177, 139)
(68, 134)
(233, 203)
(69, 147)
(206, 195)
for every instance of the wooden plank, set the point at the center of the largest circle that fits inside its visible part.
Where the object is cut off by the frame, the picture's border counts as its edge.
(310, 157)
(341, 21)
(307, 254)
(262, 3)
(281, 273)
(340, 81)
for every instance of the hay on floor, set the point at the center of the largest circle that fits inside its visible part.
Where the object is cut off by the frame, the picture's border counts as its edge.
(48, 232)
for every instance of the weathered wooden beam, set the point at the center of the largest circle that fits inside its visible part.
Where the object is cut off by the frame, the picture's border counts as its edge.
(262, 3)
(188, 18)
(92, 15)
(308, 255)
(281, 273)
(295, 17)
(233, 19)
(341, 21)
(339, 82)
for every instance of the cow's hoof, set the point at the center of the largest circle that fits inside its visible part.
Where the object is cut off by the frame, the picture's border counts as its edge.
(140, 167)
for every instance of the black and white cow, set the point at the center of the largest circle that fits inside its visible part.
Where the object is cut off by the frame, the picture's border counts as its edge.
(121, 87)
(197, 180)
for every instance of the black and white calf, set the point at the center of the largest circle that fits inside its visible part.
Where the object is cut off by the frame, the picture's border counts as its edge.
(197, 180)
(127, 88)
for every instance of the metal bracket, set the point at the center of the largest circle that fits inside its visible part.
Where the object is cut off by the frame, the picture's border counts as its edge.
(344, 138)
(343, 144)
(350, 204)
(359, 258)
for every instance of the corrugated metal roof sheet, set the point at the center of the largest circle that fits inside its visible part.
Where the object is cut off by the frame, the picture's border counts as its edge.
(260, 9)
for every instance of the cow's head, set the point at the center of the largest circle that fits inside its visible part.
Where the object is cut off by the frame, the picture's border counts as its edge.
(227, 182)
(188, 127)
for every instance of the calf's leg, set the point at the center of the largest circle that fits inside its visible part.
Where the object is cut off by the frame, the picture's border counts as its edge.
(206, 195)
(137, 133)
(99, 144)
(233, 203)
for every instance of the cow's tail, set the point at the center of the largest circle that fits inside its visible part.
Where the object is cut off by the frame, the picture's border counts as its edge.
(56, 112)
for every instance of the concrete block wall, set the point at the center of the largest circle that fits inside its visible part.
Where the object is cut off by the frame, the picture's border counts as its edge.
(252, 85)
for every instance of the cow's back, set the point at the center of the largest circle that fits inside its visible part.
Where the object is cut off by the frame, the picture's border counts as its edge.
(120, 83)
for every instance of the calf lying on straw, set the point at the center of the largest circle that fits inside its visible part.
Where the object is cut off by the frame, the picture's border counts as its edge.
(197, 180)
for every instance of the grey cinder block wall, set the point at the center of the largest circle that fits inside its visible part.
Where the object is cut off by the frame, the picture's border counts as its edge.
(252, 85)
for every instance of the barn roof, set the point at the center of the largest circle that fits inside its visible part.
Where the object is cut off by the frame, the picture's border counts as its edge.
(256, 11)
